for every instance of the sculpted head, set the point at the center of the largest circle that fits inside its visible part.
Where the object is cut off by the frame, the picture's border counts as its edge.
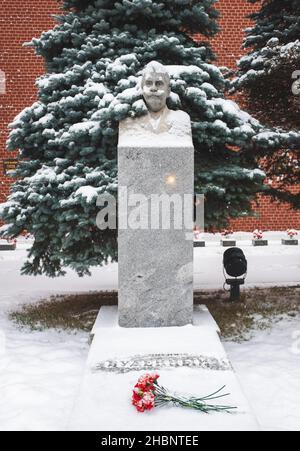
(155, 86)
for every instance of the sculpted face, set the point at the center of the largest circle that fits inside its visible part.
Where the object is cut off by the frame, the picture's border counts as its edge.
(156, 90)
(161, 123)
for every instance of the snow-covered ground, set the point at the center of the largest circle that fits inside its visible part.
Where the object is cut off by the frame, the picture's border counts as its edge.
(39, 377)
(270, 265)
(268, 367)
(267, 266)
(40, 371)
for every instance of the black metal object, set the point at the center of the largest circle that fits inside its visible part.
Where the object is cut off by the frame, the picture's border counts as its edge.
(235, 265)
(235, 292)
(235, 262)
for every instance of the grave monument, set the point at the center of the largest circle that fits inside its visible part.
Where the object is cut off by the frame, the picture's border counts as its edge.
(155, 245)
(156, 287)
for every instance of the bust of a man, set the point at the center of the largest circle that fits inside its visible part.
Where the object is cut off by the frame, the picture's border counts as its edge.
(160, 126)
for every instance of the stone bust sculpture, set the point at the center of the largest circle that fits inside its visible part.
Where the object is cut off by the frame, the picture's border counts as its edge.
(160, 126)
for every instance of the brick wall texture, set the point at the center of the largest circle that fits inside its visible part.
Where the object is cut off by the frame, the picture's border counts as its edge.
(20, 21)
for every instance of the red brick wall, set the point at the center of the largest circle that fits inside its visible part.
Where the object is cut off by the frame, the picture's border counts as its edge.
(227, 45)
(272, 216)
(233, 21)
(20, 21)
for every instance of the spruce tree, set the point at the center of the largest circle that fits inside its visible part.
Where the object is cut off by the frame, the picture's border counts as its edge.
(268, 80)
(68, 138)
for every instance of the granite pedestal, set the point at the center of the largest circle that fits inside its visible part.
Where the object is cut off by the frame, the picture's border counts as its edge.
(155, 237)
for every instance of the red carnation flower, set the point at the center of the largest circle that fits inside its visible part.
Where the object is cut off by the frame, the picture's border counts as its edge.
(146, 382)
(147, 394)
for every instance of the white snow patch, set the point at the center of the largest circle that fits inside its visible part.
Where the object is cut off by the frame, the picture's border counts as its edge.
(46, 120)
(254, 172)
(269, 371)
(82, 127)
(88, 192)
(95, 89)
(177, 71)
(43, 83)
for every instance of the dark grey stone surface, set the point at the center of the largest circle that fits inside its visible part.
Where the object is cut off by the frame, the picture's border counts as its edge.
(289, 242)
(199, 243)
(228, 243)
(7, 247)
(260, 242)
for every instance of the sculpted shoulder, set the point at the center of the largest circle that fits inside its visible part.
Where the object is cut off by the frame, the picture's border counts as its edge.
(132, 123)
(180, 116)
(179, 123)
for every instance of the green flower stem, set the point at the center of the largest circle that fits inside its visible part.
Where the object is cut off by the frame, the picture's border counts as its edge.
(163, 397)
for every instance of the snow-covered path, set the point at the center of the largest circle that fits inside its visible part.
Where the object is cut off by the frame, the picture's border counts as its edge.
(272, 265)
(267, 266)
(40, 371)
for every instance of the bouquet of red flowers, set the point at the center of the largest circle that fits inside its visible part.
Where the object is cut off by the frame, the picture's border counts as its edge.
(147, 394)
(258, 234)
(292, 233)
(196, 233)
(226, 233)
(11, 240)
